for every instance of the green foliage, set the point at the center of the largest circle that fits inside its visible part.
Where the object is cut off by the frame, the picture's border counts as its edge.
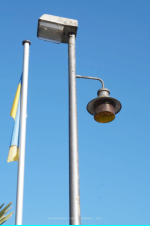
(4, 217)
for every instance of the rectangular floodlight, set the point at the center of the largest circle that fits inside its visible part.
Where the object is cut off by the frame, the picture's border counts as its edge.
(56, 29)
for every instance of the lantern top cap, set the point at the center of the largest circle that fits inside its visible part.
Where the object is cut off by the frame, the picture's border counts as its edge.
(103, 92)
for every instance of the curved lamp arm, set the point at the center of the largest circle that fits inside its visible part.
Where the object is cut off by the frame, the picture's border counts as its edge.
(80, 76)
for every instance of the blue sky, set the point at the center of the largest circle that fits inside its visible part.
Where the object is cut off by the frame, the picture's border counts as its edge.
(113, 44)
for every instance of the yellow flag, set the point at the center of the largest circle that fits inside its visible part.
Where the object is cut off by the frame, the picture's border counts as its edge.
(15, 103)
(13, 154)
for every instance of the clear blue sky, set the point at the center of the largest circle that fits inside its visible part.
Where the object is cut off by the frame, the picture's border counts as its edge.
(113, 43)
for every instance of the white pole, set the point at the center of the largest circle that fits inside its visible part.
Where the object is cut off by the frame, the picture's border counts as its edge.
(21, 162)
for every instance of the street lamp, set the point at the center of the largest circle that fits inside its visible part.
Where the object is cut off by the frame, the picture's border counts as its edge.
(56, 29)
(104, 108)
(62, 30)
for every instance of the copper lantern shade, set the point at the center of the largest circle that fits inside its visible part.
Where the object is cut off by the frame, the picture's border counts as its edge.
(104, 108)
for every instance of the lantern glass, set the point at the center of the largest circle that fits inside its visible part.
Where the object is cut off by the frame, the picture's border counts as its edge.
(104, 117)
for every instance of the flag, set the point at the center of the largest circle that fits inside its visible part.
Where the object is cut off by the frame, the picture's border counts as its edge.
(13, 154)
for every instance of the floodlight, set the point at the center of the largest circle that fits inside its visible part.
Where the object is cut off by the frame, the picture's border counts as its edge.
(56, 29)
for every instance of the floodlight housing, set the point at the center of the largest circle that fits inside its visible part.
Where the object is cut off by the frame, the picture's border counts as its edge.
(56, 29)
(104, 108)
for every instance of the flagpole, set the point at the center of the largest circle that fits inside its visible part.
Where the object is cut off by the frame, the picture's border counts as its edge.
(23, 114)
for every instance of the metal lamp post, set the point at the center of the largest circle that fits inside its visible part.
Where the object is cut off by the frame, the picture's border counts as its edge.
(62, 30)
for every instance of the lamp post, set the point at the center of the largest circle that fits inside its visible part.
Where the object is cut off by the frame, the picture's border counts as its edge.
(62, 30)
